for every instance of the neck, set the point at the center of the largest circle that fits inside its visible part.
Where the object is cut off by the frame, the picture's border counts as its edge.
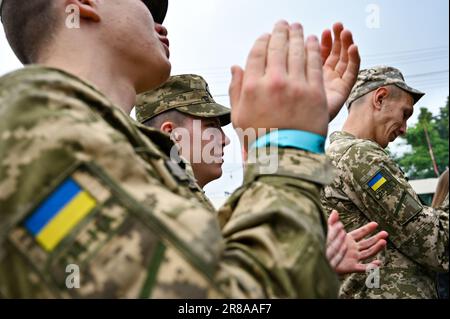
(103, 73)
(360, 125)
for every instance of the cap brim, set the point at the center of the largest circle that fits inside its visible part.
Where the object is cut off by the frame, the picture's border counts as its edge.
(416, 94)
(158, 9)
(208, 110)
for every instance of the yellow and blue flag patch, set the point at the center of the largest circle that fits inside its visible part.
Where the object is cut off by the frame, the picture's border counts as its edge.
(59, 214)
(377, 182)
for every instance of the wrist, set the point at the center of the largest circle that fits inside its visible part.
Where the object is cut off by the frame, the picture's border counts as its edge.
(297, 139)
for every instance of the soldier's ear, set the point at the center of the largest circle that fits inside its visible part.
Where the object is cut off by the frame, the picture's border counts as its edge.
(167, 127)
(379, 97)
(87, 9)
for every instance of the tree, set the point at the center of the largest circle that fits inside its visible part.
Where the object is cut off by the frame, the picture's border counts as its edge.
(418, 163)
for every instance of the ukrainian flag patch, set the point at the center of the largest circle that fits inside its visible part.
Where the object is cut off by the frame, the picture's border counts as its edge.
(59, 214)
(377, 182)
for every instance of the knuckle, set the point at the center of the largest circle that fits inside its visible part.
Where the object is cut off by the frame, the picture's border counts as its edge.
(277, 83)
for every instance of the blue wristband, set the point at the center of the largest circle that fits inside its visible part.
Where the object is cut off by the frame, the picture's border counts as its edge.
(303, 140)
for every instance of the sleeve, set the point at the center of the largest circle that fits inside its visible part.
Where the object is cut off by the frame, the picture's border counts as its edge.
(86, 215)
(382, 193)
(275, 232)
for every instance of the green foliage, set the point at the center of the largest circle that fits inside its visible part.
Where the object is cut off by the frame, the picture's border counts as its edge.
(417, 163)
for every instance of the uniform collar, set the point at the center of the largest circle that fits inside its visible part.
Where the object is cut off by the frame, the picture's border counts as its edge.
(341, 135)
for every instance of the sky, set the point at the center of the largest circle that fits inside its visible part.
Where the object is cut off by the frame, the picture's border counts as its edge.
(209, 36)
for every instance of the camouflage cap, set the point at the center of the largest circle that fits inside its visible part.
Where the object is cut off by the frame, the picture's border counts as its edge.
(158, 8)
(187, 93)
(376, 77)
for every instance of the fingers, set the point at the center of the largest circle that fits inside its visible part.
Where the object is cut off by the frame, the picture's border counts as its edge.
(334, 230)
(354, 63)
(364, 231)
(373, 250)
(278, 49)
(257, 58)
(362, 268)
(333, 59)
(366, 243)
(326, 45)
(346, 42)
(341, 251)
(237, 77)
(334, 218)
(335, 241)
(314, 73)
(296, 59)
(375, 263)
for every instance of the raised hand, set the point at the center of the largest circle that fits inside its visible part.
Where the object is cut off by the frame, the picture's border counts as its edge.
(282, 85)
(341, 62)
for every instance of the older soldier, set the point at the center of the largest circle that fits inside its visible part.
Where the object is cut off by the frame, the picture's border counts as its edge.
(81, 186)
(371, 187)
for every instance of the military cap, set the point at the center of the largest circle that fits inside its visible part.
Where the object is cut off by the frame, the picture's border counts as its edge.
(1, 7)
(187, 93)
(371, 79)
(158, 8)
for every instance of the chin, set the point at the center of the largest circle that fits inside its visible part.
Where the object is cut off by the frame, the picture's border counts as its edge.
(151, 81)
(384, 144)
(216, 173)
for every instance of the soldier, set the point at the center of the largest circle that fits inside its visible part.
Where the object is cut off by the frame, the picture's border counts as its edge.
(184, 108)
(81, 187)
(440, 198)
(185, 98)
(370, 187)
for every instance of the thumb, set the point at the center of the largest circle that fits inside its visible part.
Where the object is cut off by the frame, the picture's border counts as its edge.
(334, 218)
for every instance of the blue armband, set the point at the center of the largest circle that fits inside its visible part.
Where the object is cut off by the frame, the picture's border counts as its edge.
(302, 140)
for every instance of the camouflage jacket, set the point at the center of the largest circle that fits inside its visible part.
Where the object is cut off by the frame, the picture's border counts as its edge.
(370, 187)
(86, 197)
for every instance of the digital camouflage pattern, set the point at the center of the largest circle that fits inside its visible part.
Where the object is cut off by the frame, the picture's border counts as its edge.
(418, 235)
(371, 79)
(187, 93)
(148, 235)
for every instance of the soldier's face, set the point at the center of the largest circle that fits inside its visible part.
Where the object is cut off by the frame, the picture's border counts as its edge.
(393, 118)
(140, 44)
(205, 148)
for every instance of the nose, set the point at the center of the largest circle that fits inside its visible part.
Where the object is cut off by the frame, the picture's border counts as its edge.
(161, 30)
(403, 129)
(226, 140)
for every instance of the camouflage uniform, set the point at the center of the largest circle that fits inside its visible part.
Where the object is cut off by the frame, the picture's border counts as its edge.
(370, 187)
(190, 95)
(134, 227)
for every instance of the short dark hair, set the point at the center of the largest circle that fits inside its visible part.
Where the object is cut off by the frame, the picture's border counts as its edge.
(394, 94)
(174, 116)
(28, 25)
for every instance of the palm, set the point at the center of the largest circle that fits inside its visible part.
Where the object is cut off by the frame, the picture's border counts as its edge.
(347, 251)
(352, 259)
(341, 63)
(337, 90)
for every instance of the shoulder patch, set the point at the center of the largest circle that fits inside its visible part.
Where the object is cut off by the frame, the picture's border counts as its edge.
(60, 213)
(377, 182)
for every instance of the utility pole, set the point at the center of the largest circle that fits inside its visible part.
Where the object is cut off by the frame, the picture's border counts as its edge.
(430, 149)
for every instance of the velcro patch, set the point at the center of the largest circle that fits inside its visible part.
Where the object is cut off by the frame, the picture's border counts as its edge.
(59, 214)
